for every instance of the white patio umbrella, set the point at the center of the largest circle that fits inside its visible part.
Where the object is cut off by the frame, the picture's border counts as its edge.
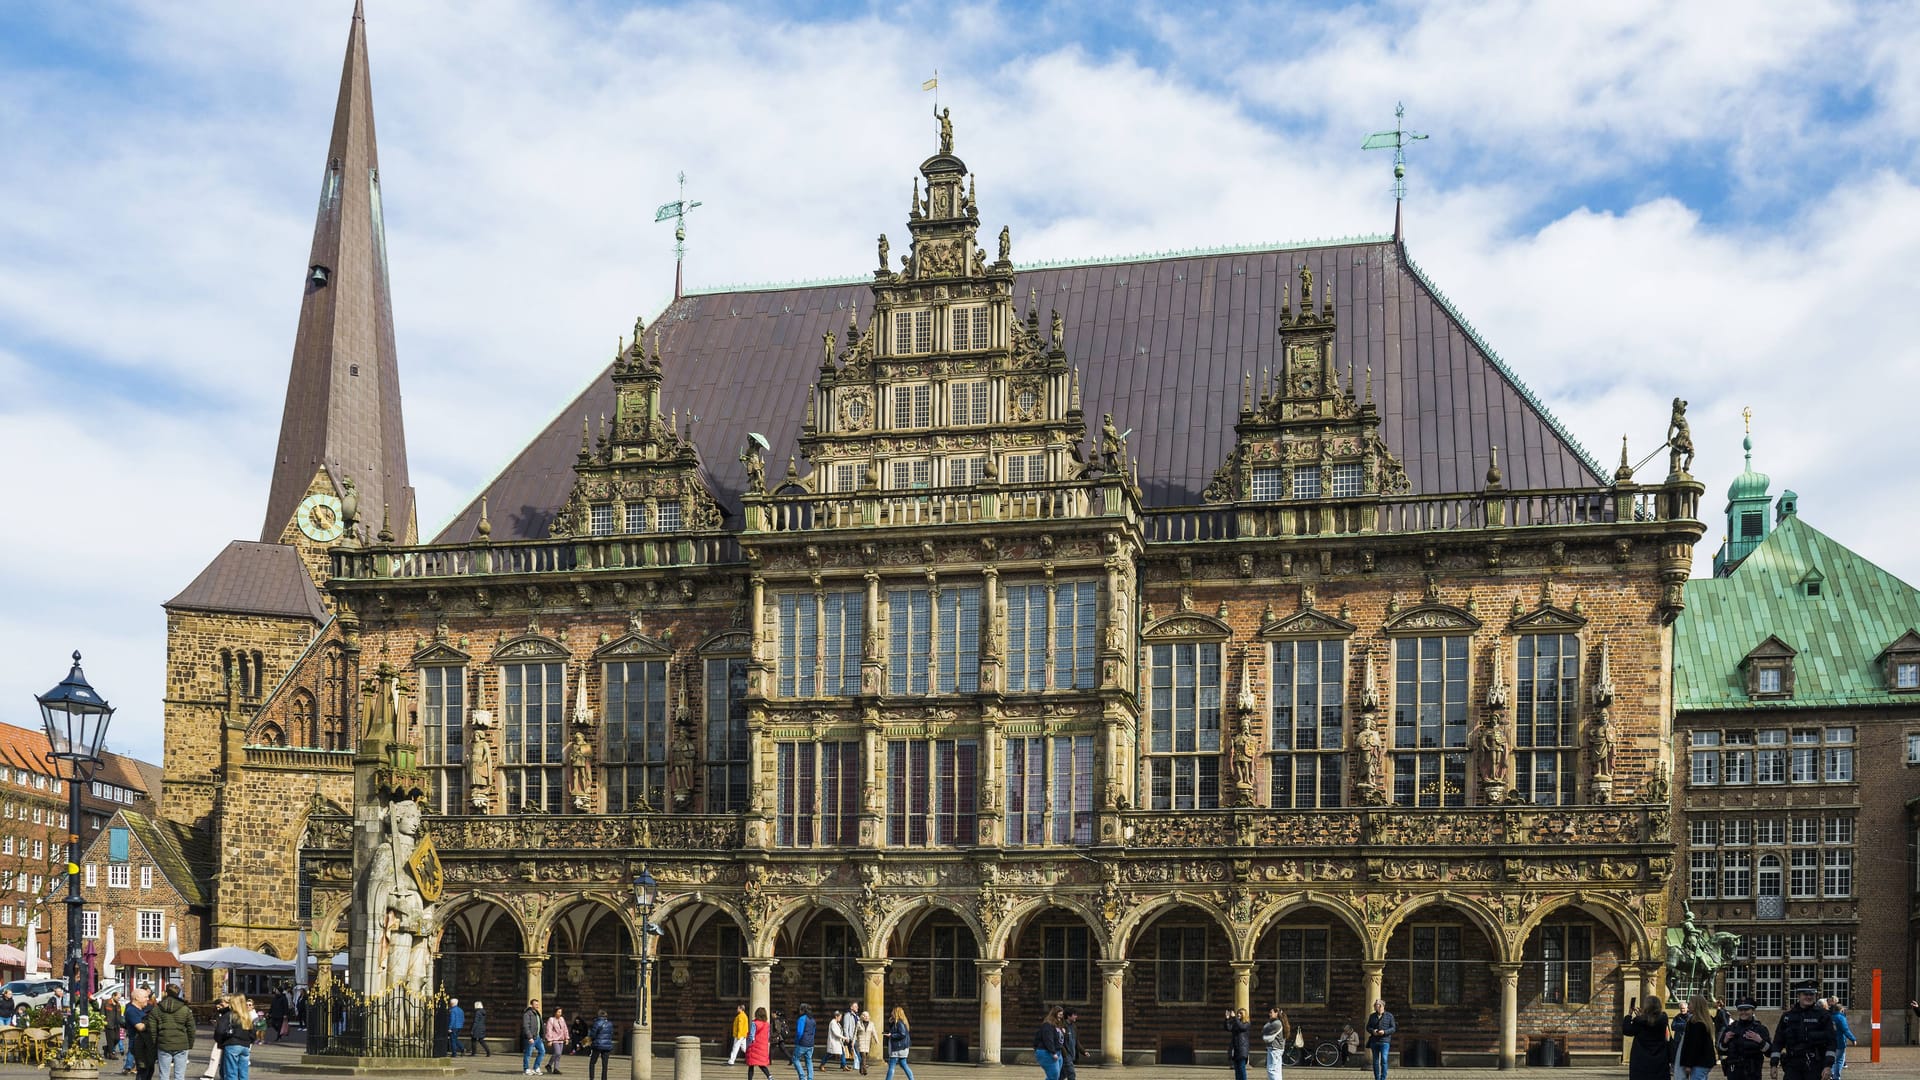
(106, 958)
(33, 950)
(235, 958)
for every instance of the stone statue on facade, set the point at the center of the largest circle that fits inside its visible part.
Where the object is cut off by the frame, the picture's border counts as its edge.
(884, 251)
(580, 770)
(682, 755)
(1006, 244)
(480, 760)
(1112, 447)
(945, 116)
(1059, 331)
(402, 915)
(1601, 743)
(1245, 749)
(756, 466)
(1679, 440)
(1491, 742)
(1370, 753)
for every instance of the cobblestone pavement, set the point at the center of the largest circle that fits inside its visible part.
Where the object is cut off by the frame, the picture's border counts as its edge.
(1897, 1063)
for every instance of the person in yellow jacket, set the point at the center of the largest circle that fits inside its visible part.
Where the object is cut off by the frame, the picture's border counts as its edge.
(739, 1034)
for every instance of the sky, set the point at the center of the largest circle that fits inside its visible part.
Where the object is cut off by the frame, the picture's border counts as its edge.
(1630, 201)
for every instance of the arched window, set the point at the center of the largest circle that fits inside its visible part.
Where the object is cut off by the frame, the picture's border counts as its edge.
(272, 735)
(259, 674)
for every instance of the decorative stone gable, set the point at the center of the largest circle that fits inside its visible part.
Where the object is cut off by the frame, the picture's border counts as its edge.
(1303, 437)
(946, 387)
(639, 476)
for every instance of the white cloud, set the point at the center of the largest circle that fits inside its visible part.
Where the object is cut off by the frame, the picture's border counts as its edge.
(158, 225)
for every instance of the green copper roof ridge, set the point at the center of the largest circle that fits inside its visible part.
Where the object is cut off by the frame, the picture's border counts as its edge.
(1500, 365)
(1061, 264)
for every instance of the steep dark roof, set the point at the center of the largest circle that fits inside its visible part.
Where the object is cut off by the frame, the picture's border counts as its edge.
(253, 579)
(1162, 343)
(343, 392)
(183, 853)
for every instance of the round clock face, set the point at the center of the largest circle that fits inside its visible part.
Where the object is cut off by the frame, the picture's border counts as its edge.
(320, 518)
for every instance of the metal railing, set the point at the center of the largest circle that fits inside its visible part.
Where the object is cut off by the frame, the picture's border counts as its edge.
(534, 556)
(1417, 513)
(1067, 499)
(395, 1025)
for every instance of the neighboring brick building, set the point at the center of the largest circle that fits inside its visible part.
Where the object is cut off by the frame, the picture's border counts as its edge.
(1323, 664)
(145, 880)
(1797, 690)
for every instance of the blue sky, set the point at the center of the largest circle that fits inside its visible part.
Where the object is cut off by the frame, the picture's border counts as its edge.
(1631, 201)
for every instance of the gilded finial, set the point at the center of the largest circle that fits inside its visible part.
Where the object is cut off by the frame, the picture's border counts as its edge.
(586, 432)
(1286, 299)
(386, 524)
(1746, 418)
(1369, 382)
(1625, 472)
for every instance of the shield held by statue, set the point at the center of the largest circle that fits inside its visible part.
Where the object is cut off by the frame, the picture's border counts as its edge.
(426, 870)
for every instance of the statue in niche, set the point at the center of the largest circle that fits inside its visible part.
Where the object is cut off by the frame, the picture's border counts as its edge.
(1006, 244)
(1245, 749)
(1679, 440)
(1370, 752)
(1601, 744)
(580, 770)
(480, 761)
(945, 116)
(402, 911)
(1490, 739)
(1059, 331)
(683, 754)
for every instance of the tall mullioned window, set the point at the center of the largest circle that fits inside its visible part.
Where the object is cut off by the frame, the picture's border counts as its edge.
(1056, 771)
(443, 711)
(1545, 738)
(1307, 685)
(934, 642)
(1184, 726)
(819, 643)
(533, 707)
(931, 786)
(1430, 721)
(1071, 609)
(635, 693)
(816, 797)
(726, 686)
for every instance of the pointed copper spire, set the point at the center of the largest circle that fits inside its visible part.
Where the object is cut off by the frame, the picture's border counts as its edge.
(343, 394)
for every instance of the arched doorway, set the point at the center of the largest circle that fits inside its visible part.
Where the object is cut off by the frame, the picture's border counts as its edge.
(1308, 962)
(1181, 979)
(819, 950)
(1052, 959)
(702, 974)
(590, 964)
(1569, 985)
(1438, 980)
(935, 973)
(480, 960)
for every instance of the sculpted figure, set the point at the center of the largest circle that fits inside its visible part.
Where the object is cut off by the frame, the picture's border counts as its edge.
(1371, 749)
(946, 130)
(580, 767)
(1680, 438)
(1110, 444)
(683, 754)
(1600, 747)
(480, 762)
(1006, 244)
(1059, 331)
(756, 467)
(883, 251)
(1245, 749)
(1490, 739)
(403, 951)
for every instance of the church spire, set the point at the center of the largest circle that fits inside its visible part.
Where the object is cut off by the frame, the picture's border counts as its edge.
(343, 394)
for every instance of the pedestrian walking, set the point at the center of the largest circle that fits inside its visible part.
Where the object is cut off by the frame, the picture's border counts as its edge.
(1842, 1036)
(480, 1029)
(141, 1047)
(221, 1007)
(8, 1007)
(759, 1050)
(1273, 1036)
(1803, 1040)
(780, 1050)
(837, 1039)
(557, 1036)
(1697, 1055)
(850, 1031)
(173, 1025)
(234, 1041)
(869, 1040)
(1745, 1044)
(1722, 1019)
(530, 1031)
(1676, 1031)
(1049, 1042)
(456, 1021)
(899, 1041)
(1380, 1029)
(276, 1014)
(741, 1027)
(599, 1044)
(1070, 1059)
(1648, 1059)
(804, 1031)
(1238, 1041)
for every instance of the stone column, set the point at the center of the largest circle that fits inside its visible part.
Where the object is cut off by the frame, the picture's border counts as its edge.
(1629, 1002)
(1113, 1004)
(1242, 984)
(1373, 969)
(990, 978)
(536, 964)
(1509, 976)
(875, 969)
(760, 984)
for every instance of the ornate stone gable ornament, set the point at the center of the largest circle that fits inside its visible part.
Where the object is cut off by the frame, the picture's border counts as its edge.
(1308, 623)
(532, 645)
(1188, 625)
(1547, 619)
(439, 653)
(1431, 617)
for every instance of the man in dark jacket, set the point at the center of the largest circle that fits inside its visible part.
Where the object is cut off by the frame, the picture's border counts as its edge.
(599, 1044)
(530, 1025)
(1071, 1053)
(1744, 1045)
(173, 1026)
(803, 1043)
(1803, 1040)
(1380, 1032)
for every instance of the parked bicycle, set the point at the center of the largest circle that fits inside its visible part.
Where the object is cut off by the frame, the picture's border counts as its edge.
(1322, 1053)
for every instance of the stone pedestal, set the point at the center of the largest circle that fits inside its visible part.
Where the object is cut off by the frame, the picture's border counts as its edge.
(640, 1064)
(686, 1058)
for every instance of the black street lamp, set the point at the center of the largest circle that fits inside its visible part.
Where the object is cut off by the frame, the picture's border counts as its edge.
(645, 892)
(76, 718)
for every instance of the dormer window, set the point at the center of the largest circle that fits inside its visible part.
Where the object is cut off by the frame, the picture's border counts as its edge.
(1906, 675)
(1770, 678)
(1902, 660)
(1769, 669)
(1343, 481)
(1268, 485)
(600, 519)
(636, 517)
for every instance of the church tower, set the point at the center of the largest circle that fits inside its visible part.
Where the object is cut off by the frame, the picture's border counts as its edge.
(339, 477)
(1747, 502)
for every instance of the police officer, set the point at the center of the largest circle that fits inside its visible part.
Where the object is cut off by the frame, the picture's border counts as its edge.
(1745, 1044)
(1803, 1042)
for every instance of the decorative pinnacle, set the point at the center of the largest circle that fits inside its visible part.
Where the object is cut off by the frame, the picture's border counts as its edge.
(1493, 467)
(386, 524)
(485, 528)
(1625, 472)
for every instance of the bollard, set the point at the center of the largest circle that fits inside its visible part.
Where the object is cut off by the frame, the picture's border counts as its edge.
(686, 1058)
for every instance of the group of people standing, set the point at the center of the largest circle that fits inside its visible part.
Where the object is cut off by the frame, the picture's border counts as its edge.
(548, 1038)
(1809, 1043)
(848, 1036)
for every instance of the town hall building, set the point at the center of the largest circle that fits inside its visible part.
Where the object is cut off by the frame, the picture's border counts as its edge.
(1154, 636)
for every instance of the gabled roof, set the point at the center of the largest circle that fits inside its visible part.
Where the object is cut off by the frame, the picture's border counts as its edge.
(25, 749)
(1837, 636)
(254, 579)
(184, 854)
(1161, 343)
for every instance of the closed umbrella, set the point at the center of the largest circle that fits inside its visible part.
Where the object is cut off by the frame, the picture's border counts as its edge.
(106, 968)
(300, 960)
(33, 950)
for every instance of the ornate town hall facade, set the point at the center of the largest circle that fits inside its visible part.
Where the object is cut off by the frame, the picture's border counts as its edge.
(1156, 636)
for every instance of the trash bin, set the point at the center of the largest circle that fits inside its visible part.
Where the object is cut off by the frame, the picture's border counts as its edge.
(1545, 1053)
(1420, 1054)
(952, 1048)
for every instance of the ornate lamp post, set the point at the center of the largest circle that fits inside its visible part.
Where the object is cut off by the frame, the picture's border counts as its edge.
(645, 892)
(76, 719)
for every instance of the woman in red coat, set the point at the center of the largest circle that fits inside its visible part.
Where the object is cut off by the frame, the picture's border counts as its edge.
(759, 1044)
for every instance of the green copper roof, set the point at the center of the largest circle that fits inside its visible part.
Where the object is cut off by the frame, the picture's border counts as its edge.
(1837, 635)
(1749, 484)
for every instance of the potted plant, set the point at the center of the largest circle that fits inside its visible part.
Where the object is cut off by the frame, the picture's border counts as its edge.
(82, 1060)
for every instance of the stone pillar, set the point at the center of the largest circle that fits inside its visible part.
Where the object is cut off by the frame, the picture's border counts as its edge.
(536, 964)
(1243, 985)
(875, 969)
(1373, 969)
(1113, 1004)
(1629, 1002)
(1509, 977)
(760, 984)
(990, 978)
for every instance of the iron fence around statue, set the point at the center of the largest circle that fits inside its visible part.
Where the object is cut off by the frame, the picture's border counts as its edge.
(395, 1025)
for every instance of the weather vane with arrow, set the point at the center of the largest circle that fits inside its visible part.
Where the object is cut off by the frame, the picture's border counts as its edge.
(677, 210)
